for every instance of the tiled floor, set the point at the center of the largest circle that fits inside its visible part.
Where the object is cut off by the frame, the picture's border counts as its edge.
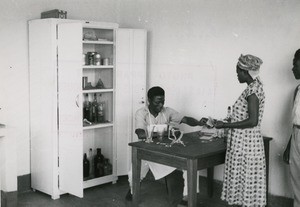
(110, 195)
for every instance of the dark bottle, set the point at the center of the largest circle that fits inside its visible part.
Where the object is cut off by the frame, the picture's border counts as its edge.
(91, 159)
(98, 164)
(107, 167)
(86, 108)
(100, 115)
(90, 112)
(94, 109)
(86, 166)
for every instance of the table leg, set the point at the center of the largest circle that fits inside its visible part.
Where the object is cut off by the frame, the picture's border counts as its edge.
(210, 181)
(136, 177)
(192, 182)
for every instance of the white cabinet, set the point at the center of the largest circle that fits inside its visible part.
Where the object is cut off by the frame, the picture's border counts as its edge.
(62, 79)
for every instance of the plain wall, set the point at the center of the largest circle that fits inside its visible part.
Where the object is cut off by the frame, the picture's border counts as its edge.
(193, 47)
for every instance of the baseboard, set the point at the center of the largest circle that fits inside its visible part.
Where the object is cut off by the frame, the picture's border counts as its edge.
(24, 183)
(9, 199)
(273, 200)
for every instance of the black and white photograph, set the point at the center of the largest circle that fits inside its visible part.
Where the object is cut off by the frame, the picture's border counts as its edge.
(150, 103)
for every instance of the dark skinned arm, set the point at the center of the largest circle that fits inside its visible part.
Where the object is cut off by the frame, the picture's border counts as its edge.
(140, 133)
(193, 122)
(251, 121)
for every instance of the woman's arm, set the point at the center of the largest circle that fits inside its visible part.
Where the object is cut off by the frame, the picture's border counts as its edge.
(251, 121)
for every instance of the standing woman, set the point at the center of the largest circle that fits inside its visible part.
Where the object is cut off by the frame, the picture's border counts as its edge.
(244, 181)
(292, 153)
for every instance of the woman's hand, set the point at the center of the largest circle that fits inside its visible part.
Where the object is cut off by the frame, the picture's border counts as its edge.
(202, 121)
(219, 124)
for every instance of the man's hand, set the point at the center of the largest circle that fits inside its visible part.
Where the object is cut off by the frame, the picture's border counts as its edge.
(141, 133)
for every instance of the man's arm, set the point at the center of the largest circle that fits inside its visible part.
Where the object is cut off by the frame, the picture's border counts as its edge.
(140, 124)
(193, 122)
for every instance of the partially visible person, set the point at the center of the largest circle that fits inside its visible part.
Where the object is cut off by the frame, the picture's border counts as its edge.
(292, 153)
(152, 116)
(244, 181)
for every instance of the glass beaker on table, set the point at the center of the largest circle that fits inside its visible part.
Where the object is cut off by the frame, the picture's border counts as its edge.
(160, 131)
(149, 133)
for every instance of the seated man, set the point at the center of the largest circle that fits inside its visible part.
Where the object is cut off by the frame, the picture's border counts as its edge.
(150, 116)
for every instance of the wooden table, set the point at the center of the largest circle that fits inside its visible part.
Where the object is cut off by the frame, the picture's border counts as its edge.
(196, 155)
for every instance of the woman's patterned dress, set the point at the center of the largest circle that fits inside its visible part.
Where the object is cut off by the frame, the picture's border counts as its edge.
(245, 169)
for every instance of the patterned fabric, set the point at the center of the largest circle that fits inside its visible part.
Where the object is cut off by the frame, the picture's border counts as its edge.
(244, 180)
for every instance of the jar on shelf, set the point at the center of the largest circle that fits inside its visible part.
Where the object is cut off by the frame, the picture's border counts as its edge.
(107, 167)
(90, 58)
(97, 59)
(105, 61)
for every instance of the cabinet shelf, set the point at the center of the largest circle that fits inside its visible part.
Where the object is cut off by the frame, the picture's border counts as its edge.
(98, 125)
(97, 42)
(98, 91)
(98, 67)
(99, 181)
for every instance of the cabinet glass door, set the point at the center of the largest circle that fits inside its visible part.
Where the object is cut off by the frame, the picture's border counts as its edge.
(70, 108)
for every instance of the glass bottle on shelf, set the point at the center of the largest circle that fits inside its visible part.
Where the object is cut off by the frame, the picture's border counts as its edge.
(86, 108)
(100, 115)
(107, 167)
(86, 166)
(91, 159)
(95, 109)
(98, 164)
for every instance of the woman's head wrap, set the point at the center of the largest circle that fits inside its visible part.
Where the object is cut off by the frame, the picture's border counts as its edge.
(250, 63)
